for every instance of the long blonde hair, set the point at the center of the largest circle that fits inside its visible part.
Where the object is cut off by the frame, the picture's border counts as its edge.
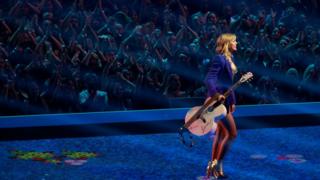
(223, 47)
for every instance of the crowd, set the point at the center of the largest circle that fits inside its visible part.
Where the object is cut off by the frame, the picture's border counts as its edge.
(58, 57)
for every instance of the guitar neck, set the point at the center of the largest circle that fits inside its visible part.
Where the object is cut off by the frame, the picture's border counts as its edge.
(233, 87)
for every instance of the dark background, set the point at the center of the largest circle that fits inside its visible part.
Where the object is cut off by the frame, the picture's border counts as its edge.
(86, 56)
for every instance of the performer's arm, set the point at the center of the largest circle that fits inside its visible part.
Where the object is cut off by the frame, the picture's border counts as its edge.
(212, 76)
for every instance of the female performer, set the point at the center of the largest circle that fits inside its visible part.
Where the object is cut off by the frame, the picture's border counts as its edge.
(219, 78)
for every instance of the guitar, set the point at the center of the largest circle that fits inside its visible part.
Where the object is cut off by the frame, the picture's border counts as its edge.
(200, 120)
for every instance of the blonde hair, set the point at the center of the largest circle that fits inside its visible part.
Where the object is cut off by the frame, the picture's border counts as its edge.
(223, 47)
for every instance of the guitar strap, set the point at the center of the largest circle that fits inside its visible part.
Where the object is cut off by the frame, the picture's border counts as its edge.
(190, 143)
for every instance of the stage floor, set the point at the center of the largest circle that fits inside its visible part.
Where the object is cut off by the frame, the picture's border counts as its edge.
(265, 153)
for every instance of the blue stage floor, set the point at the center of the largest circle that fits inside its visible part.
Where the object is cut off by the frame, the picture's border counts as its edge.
(271, 153)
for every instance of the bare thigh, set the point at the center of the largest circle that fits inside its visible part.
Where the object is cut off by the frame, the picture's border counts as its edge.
(232, 128)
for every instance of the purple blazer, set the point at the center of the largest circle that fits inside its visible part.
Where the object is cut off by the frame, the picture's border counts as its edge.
(219, 78)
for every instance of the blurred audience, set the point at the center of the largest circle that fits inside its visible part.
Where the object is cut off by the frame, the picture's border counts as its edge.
(58, 57)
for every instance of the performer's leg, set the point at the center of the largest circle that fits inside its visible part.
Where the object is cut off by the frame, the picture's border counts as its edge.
(216, 140)
(232, 126)
(224, 138)
(212, 163)
(232, 130)
(221, 139)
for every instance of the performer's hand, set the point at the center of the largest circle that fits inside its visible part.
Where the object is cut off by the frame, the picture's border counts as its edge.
(232, 108)
(221, 98)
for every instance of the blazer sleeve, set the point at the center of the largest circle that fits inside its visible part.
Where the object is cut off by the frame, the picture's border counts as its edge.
(212, 75)
(233, 98)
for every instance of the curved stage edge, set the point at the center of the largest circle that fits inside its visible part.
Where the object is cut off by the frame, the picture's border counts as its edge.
(150, 121)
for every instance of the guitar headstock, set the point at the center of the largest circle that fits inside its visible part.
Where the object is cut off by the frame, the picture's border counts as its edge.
(246, 77)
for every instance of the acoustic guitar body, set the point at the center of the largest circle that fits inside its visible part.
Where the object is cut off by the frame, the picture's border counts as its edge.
(206, 121)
